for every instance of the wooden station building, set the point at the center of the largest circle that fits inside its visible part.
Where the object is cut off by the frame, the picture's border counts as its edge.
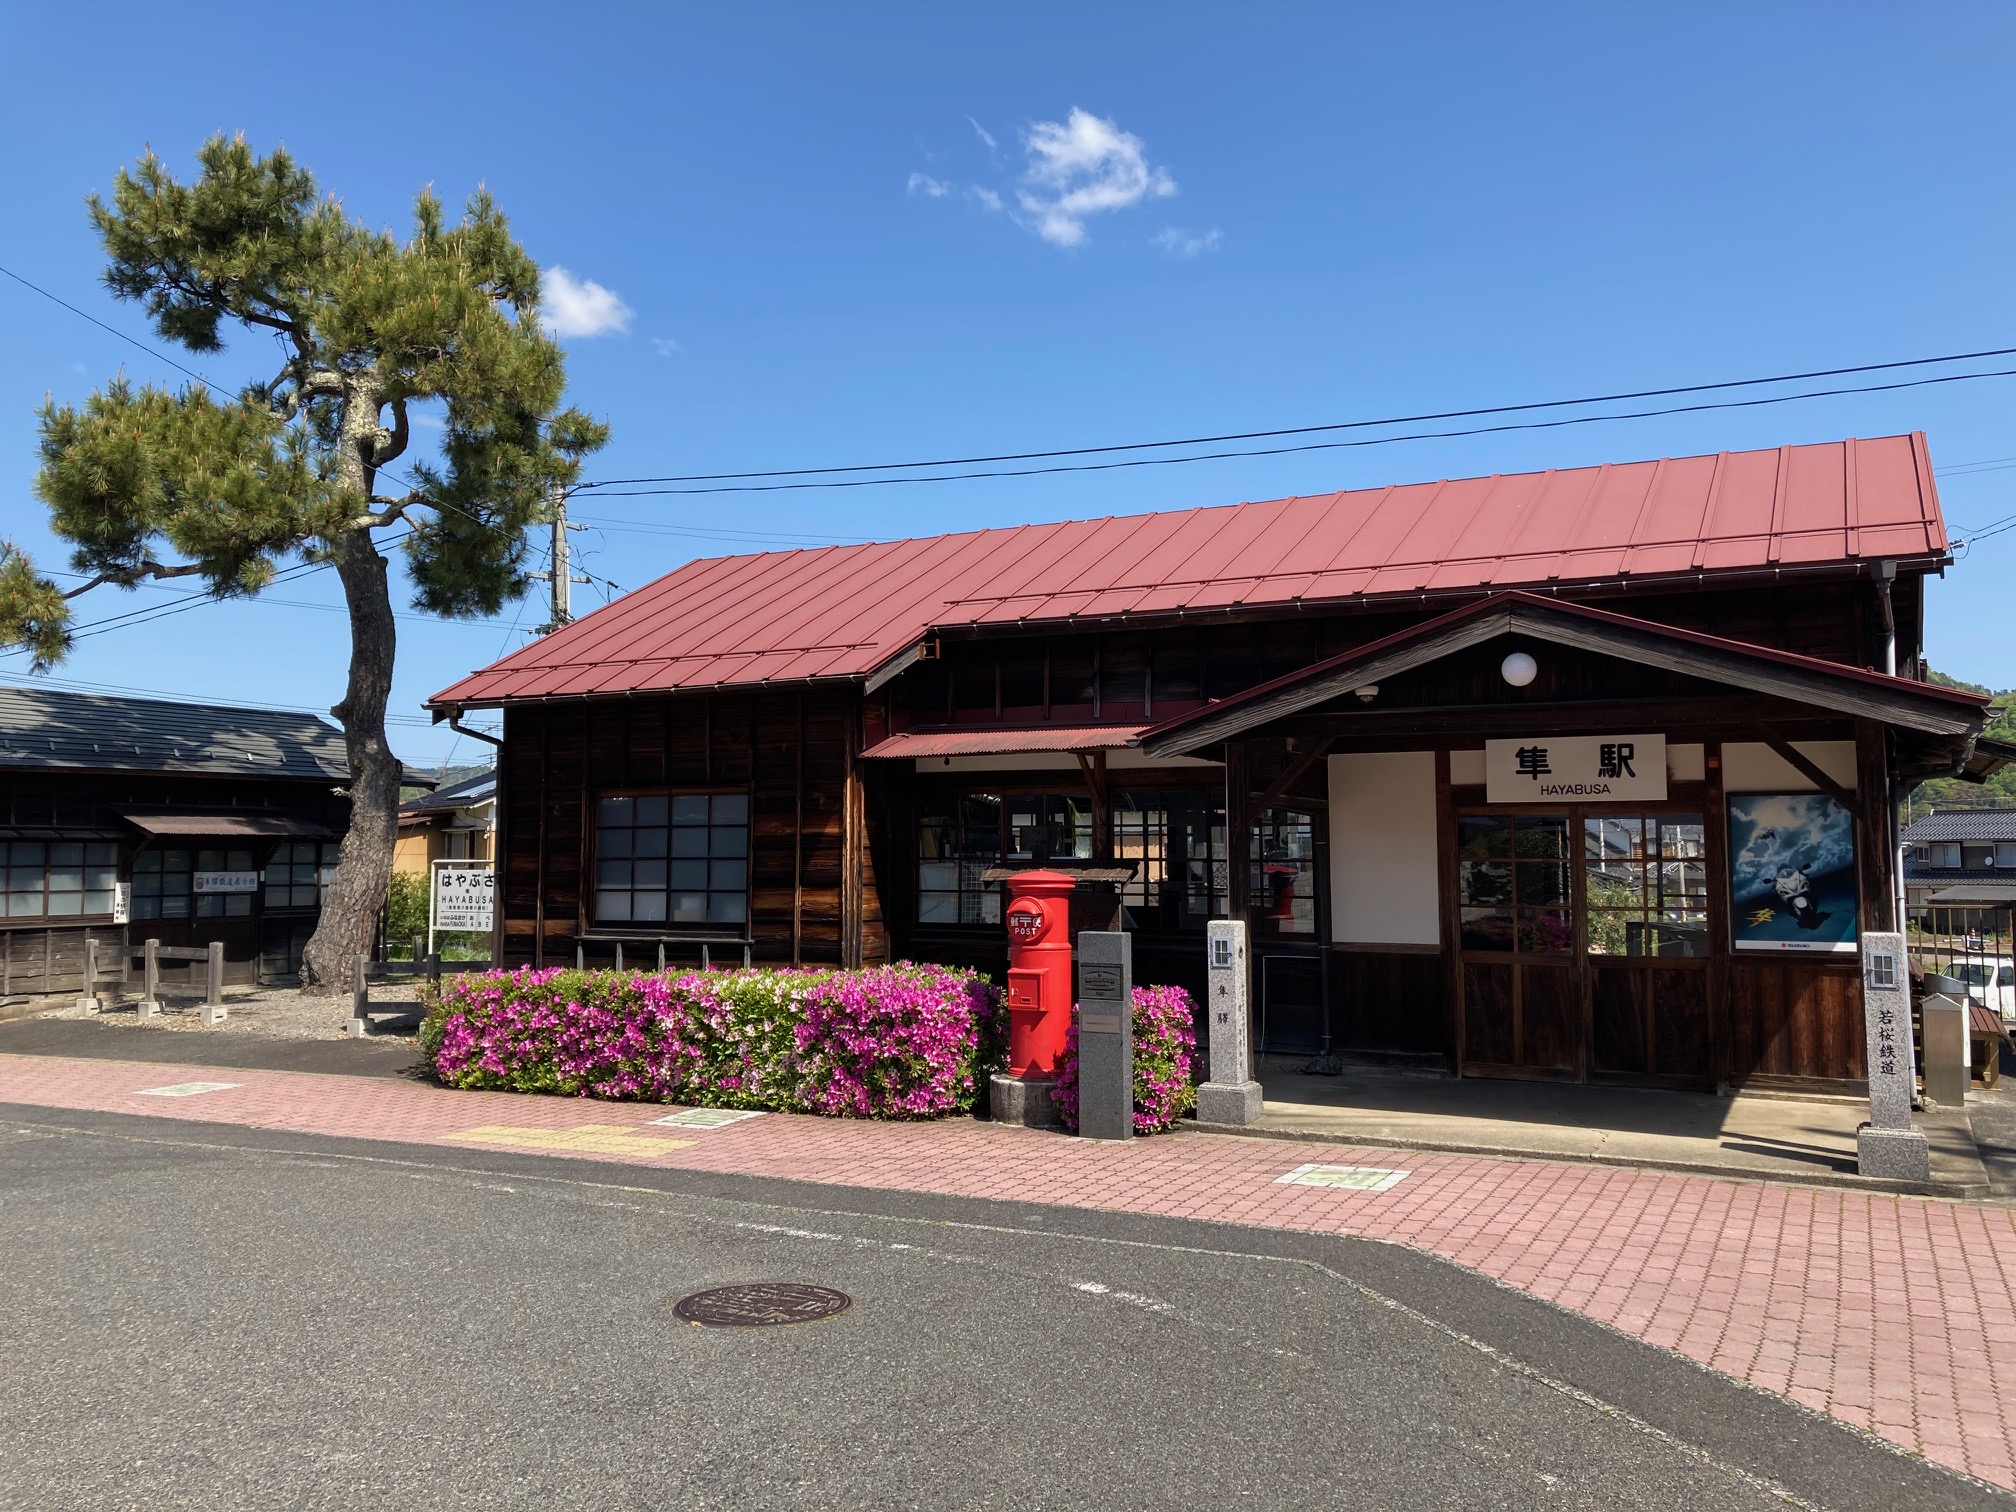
(1586, 774)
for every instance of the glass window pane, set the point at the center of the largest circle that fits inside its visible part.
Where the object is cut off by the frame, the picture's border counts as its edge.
(937, 908)
(209, 860)
(66, 878)
(728, 875)
(210, 906)
(143, 908)
(29, 853)
(651, 809)
(726, 908)
(101, 853)
(100, 876)
(236, 905)
(729, 842)
(1545, 931)
(175, 908)
(612, 873)
(649, 842)
(63, 904)
(1487, 928)
(616, 842)
(647, 874)
(647, 906)
(1480, 882)
(276, 897)
(147, 864)
(689, 842)
(689, 908)
(67, 853)
(1479, 836)
(1542, 836)
(1542, 882)
(101, 902)
(238, 860)
(689, 808)
(612, 905)
(730, 808)
(689, 874)
(614, 812)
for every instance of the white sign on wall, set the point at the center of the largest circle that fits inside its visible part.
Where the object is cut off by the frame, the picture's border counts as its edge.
(464, 898)
(1576, 769)
(224, 881)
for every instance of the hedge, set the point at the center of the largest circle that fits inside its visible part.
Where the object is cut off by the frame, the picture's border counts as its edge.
(902, 1041)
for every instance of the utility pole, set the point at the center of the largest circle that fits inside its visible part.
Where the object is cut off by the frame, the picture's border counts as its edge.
(559, 574)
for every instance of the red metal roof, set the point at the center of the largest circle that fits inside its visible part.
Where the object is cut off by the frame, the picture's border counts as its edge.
(1005, 742)
(844, 611)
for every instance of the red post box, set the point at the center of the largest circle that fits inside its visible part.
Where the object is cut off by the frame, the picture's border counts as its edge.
(1039, 971)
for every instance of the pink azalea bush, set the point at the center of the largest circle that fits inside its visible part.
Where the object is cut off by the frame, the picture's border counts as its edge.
(902, 1041)
(1165, 1047)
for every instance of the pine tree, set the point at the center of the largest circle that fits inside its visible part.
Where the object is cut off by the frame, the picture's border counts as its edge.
(149, 483)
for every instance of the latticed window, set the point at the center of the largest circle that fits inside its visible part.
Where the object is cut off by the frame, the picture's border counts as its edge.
(164, 886)
(961, 838)
(1512, 883)
(300, 872)
(1284, 872)
(1645, 884)
(57, 878)
(677, 858)
(1176, 842)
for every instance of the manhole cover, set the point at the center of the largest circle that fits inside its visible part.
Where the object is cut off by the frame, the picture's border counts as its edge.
(761, 1304)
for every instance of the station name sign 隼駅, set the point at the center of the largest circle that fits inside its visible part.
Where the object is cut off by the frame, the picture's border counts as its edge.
(1576, 769)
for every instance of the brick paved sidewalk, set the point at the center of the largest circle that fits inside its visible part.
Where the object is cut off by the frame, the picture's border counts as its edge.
(1889, 1313)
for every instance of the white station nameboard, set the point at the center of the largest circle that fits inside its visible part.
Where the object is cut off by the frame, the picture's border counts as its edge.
(464, 898)
(1576, 769)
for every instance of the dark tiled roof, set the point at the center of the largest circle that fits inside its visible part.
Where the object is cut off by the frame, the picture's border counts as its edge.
(1963, 824)
(44, 727)
(471, 790)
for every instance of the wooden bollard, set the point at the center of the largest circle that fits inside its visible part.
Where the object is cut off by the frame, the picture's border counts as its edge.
(214, 1011)
(150, 991)
(360, 998)
(88, 1002)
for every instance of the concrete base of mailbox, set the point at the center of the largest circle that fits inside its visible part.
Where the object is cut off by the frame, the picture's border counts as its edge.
(1029, 1101)
(1893, 1154)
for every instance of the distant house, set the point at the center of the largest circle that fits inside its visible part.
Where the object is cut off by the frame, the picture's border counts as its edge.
(1960, 870)
(455, 823)
(124, 819)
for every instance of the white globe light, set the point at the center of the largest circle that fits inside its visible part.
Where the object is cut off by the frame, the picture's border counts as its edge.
(1519, 669)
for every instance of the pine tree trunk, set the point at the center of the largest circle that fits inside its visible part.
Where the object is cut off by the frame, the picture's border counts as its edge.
(351, 903)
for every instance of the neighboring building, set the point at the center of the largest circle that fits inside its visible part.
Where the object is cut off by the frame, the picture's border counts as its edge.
(1357, 720)
(1960, 870)
(454, 823)
(212, 824)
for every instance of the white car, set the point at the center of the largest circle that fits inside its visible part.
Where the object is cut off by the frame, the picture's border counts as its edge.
(1991, 981)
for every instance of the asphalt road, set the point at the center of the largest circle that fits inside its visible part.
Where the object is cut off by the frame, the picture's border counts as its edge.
(93, 1039)
(208, 1317)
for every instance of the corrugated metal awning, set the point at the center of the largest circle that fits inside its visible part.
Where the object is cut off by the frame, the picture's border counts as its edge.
(1962, 893)
(251, 826)
(1030, 740)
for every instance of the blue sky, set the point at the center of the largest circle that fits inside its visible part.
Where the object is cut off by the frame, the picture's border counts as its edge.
(1211, 218)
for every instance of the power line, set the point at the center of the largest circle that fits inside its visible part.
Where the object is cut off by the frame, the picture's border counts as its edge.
(1305, 430)
(1311, 446)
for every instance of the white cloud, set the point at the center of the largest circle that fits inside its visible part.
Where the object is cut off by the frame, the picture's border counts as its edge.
(580, 306)
(1082, 166)
(665, 346)
(929, 187)
(986, 198)
(982, 133)
(1176, 242)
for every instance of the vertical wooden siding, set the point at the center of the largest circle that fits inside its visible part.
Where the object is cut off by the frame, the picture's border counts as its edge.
(787, 748)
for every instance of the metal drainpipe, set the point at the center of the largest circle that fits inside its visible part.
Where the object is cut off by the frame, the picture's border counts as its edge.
(1886, 573)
